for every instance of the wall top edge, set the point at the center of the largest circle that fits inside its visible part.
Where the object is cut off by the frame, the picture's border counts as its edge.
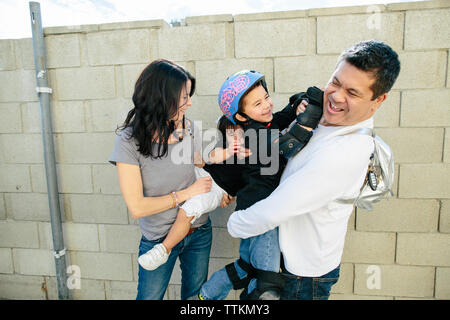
(226, 18)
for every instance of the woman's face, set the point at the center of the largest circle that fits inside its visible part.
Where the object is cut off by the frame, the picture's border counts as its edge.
(184, 102)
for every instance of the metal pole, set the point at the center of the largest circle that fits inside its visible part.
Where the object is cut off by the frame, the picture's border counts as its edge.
(49, 154)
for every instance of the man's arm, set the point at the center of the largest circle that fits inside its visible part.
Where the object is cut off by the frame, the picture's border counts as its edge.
(329, 173)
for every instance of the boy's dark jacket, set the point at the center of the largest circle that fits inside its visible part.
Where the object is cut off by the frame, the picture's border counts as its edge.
(243, 178)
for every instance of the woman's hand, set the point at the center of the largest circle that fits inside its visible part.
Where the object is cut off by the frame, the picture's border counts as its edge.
(202, 185)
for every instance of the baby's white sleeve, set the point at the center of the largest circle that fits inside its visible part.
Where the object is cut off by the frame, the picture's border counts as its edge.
(205, 202)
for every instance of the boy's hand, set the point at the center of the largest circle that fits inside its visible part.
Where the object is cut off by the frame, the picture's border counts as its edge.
(301, 107)
(226, 200)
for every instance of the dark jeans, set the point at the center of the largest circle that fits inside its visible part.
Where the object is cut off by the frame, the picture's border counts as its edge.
(193, 252)
(306, 288)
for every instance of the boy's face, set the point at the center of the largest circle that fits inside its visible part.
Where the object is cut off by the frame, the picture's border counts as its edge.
(348, 97)
(258, 105)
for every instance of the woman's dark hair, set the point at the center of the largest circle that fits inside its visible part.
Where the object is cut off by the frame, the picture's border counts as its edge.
(155, 98)
(377, 58)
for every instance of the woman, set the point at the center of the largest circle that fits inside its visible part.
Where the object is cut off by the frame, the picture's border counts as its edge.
(154, 159)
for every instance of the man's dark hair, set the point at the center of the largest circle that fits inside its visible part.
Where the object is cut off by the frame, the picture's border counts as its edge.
(376, 58)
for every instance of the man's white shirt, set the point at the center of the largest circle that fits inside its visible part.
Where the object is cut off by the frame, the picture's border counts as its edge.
(312, 224)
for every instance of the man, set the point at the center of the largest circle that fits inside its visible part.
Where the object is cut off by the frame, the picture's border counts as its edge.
(312, 223)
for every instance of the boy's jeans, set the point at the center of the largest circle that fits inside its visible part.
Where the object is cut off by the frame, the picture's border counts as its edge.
(193, 252)
(262, 252)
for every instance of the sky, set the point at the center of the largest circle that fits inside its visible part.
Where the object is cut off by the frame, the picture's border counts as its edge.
(15, 14)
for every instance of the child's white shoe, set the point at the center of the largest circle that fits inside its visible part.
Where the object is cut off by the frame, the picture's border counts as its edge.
(153, 258)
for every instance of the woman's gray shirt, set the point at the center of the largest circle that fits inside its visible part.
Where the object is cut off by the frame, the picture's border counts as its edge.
(161, 176)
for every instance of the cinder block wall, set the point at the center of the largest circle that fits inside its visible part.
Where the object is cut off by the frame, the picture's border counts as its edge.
(404, 244)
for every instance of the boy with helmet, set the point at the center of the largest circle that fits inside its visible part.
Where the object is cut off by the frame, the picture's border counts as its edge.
(244, 100)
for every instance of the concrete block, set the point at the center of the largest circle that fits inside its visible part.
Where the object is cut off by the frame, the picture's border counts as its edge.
(18, 234)
(28, 206)
(116, 238)
(299, 73)
(2, 207)
(38, 179)
(71, 29)
(338, 33)
(433, 34)
(7, 58)
(10, 121)
(424, 249)
(182, 43)
(219, 217)
(81, 237)
(446, 153)
(68, 116)
(448, 73)
(209, 19)
(291, 14)
(345, 282)
(21, 148)
(119, 47)
(348, 296)
(414, 145)
(369, 247)
(89, 289)
(74, 178)
(107, 209)
(395, 280)
(14, 178)
(34, 262)
(421, 70)
(346, 10)
(274, 34)
(388, 114)
(6, 263)
(432, 4)
(159, 23)
(444, 219)
(62, 51)
(24, 53)
(443, 283)
(120, 290)
(400, 215)
(83, 147)
(105, 179)
(424, 181)
(31, 117)
(21, 287)
(85, 83)
(102, 265)
(127, 76)
(211, 74)
(433, 102)
(106, 115)
(205, 111)
(222, 245)
(18, 86)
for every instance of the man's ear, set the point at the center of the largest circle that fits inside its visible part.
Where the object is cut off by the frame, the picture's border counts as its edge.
(379, 100)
